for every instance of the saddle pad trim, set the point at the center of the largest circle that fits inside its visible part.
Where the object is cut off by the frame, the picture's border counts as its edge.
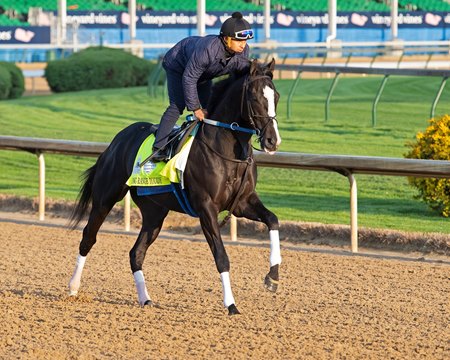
(180, 193)
(154, 190)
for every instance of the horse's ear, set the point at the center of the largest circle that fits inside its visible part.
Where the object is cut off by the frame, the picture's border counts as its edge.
(271, 65)
(253, 67)
(269, 68)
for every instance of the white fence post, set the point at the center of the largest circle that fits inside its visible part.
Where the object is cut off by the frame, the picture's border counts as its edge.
(127, 211)
(353, 212)
(233, 228)
(40, 156)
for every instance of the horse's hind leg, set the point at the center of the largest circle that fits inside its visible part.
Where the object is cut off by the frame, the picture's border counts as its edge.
(255, 210)
(96, 218)
(152, 220)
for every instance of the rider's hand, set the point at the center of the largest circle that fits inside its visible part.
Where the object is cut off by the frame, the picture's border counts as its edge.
(200, 114)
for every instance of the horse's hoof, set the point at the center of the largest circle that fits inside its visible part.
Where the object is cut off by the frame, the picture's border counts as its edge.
(232, 310)
(73, 292)
(148, 303)
(270, 284)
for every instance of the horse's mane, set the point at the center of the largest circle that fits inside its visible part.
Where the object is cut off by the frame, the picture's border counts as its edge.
(231, 86)
(219, 90)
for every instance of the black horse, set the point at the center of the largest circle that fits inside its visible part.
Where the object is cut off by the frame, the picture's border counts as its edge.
(220, 175)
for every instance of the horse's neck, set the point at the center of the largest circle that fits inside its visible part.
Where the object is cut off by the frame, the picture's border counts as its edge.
(222, 140)
(230, 144)
(227, 143)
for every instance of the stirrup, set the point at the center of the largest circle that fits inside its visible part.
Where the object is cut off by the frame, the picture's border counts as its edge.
(159, 155)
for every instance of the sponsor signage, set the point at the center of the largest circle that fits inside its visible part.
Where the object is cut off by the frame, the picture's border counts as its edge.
(24, 35)
(280, 19)
(363, 19)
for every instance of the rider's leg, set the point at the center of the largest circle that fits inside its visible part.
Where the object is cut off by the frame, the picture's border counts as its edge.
(172, 113)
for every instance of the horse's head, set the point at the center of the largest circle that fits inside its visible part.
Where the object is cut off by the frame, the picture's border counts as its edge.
(259, 104)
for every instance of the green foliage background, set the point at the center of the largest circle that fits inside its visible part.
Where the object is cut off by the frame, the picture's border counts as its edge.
(97, 68)
(433, 143)
(12, 83)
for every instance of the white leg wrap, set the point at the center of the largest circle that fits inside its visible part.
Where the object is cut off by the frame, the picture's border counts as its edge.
(141, 287)
(275, 254)
(228, 298)
(75, 281)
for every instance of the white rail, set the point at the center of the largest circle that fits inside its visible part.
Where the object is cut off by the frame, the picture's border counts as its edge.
(345, 165)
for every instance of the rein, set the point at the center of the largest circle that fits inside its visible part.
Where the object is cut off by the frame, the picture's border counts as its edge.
(233, 126)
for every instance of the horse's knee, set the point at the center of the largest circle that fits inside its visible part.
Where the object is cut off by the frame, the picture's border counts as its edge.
(272, 222)
(222, 263)
(135, 264)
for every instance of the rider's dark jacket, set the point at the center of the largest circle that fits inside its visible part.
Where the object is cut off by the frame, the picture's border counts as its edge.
(199, 59)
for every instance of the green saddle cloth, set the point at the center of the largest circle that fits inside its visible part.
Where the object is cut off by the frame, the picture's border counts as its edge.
(160, 173)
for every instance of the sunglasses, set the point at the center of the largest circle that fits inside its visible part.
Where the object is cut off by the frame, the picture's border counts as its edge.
(243, 35)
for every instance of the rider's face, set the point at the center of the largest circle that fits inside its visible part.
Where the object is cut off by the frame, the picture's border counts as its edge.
(236, 45)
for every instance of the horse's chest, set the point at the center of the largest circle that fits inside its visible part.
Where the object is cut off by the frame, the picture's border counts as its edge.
(231, 181)
(233, 177)
(236, 177)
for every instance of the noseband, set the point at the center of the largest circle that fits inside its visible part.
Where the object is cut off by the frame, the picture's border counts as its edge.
(245, 103)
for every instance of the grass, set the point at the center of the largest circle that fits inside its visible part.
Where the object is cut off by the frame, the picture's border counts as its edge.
(384, 202)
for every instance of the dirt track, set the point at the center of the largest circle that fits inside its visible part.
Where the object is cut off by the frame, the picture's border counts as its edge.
(327, 307)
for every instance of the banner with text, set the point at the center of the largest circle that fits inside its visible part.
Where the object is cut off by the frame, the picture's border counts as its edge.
(280, 19)
(24, 35)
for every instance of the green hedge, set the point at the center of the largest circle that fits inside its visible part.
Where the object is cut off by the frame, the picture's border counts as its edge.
(433, 144)
(12, 84)
(97, 68)
(5, 83)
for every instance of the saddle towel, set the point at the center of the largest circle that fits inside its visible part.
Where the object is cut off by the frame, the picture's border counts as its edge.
(159, 174)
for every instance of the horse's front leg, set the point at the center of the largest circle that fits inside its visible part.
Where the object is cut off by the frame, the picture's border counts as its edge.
(253, 209)
(210, 227)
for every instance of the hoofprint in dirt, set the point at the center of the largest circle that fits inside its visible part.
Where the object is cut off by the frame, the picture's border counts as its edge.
(327, 307)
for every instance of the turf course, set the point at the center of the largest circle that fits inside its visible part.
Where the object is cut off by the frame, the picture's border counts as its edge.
(384, 202)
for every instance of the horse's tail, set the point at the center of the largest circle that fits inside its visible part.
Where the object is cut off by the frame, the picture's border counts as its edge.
(84, 197)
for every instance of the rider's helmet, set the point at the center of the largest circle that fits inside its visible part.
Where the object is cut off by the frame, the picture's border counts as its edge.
(236, 27)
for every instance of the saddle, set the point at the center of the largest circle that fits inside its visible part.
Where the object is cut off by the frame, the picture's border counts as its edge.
(151, 178)
(177, 137)
(148, 173)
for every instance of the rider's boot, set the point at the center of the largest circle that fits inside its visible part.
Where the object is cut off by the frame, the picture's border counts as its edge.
(159, 154)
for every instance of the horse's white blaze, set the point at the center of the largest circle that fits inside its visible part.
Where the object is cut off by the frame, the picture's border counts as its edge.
(275, 125)
(75, 281)
(269, 94)
(228, 298)
(275, 253)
